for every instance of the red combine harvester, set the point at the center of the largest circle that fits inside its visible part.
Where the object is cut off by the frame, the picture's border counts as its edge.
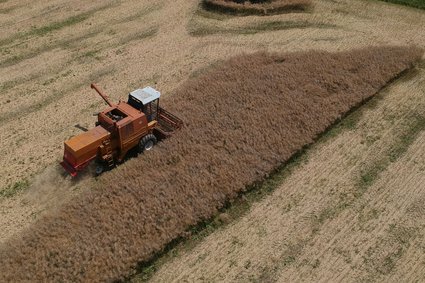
(138, 123)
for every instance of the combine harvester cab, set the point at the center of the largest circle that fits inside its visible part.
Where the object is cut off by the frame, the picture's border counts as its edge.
(138, 123)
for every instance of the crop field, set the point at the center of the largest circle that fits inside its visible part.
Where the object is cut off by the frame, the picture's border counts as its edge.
(350, 209)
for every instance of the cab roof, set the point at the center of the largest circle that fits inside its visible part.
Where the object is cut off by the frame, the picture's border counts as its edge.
(145, 95)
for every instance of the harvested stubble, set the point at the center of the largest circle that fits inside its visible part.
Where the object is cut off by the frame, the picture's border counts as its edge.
(261, 7)
(243, 119)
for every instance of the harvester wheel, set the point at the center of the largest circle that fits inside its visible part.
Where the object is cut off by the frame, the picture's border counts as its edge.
(147, 143)
(99, 169)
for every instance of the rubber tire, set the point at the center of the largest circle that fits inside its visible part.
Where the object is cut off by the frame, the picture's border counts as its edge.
(100, 168)
(147, 143)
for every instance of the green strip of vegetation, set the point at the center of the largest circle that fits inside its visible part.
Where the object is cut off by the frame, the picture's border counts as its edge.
(158, 5)
(14, 189)
(381, 258)
(201, 12)
(420, 4)
(62, 44)
(73, 41)
(150, 32)
(59, 25)
(95, 76)
(41, 31)
(199, 29)
(416, 124)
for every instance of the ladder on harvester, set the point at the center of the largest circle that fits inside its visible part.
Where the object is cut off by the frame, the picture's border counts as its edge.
(108, 156)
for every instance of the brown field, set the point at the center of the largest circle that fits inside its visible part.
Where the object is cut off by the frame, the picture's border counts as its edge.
(235, 117)
(264, 7)
(51, 50)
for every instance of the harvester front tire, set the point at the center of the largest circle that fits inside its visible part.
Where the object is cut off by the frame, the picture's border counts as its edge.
(147, 143)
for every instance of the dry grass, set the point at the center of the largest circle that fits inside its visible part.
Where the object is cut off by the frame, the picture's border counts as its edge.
(259, 7)
(244, 118)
